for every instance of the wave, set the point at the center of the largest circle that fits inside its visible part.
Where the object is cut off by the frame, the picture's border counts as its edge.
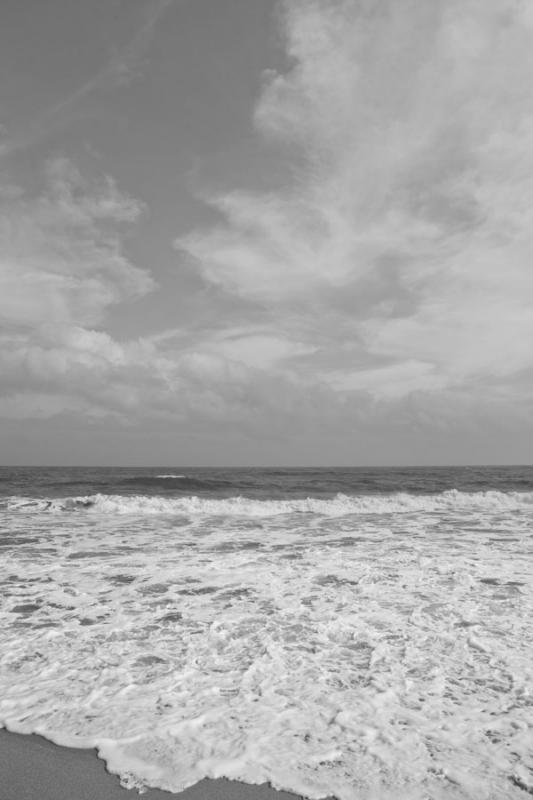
(340, 505)
(177, 482)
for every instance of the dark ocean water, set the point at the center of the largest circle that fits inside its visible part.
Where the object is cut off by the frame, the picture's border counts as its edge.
(259, 483)
(359, 633)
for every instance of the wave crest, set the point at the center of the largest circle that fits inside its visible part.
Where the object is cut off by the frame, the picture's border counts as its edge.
(340, 505)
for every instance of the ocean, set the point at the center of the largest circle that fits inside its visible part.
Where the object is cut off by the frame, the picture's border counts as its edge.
(356, 633)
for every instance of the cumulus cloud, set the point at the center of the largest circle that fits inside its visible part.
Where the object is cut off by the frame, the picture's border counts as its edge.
(401, 249)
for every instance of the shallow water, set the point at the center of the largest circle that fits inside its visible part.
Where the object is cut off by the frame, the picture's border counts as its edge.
(325, 631)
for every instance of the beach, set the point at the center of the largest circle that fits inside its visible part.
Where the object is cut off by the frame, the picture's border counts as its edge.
(32, 768)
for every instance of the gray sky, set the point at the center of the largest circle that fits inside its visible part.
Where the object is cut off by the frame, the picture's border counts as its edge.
(256, 232)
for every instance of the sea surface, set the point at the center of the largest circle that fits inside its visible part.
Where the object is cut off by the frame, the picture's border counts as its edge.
(357, 633)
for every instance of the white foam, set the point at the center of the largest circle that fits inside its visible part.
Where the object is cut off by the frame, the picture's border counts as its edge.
(340, 505)
(367, 647)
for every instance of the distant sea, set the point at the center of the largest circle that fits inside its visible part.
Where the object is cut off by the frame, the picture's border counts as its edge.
(357, 633)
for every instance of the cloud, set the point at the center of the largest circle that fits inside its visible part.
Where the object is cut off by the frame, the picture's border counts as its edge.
(401, 249)
(126, 64)
(62, 270)
(61, 254)
(62, 266)
(384, 290)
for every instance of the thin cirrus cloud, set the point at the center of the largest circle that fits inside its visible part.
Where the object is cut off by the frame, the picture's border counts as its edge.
(408, 225)
(124, 65)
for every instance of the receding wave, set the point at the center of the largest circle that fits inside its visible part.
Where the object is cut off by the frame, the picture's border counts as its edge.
(340, 505)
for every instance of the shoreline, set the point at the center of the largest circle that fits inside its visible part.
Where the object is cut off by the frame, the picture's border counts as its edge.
(34, 768)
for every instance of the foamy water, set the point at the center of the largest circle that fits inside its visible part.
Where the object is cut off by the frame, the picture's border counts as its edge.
(362, 646)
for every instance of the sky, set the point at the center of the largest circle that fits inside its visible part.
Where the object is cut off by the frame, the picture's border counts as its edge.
(262, 232)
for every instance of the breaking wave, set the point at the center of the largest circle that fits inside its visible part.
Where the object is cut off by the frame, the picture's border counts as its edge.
(340, 505)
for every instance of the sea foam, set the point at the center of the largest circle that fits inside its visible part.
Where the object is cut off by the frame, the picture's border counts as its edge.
(340, 505)
(359, 646)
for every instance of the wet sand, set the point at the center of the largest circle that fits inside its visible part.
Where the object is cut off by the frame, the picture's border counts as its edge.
(32, 768)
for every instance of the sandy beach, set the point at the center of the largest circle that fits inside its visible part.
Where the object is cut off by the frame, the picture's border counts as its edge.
(32, 768)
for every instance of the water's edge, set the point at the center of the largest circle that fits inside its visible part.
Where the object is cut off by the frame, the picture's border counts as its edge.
(36, 768)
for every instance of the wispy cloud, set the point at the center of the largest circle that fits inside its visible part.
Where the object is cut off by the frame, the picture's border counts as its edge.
(62, 262)
(405, 240)
(63, 269)
(62, 266)
(124, 65)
